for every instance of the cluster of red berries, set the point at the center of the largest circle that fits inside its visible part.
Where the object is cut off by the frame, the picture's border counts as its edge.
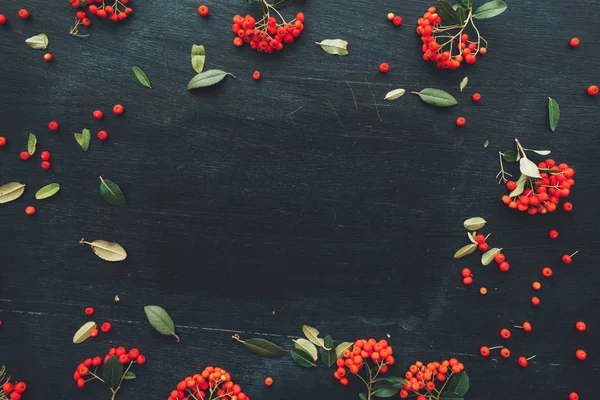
(395, 19)
(83, 374)
(504, 352)
(45, 156)
(266, 35)
(421, 378)
(436, 52)
(13, 392)
(213, 383)
(380, 353)
(117, 12)
(555, 183)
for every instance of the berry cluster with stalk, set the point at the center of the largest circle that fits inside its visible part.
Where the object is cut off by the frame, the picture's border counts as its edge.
(8, 390)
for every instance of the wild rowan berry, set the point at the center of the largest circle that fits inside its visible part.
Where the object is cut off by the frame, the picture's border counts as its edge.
(482, 51)
(461, 121)
(476, 97)
(106, 327)
(580, 326)
(86, 22)
(384, 67)
(24, 155)
(505, 333)
(269, 381)
(97, 114)
(526, 326)
(553, 234)
(504, 266)
(484, 246)
(2, 19)
(238, 42)
(133, 353)
(547, 272)
(118, 109)
(468, 280)
(568, 259)
(568, 206)
(573, 396)
(500, 258)
(96, 361)
(102, 135)
(483, 290)
(89, 311)
(592, 90)
(8, 387)
(23, 13)
(30, 210)
(203, 10)
(535, 301)
(94, 332)
(470, 59)
(523, 362)
(343, 381)
(141, 359)
(2, 141)
(45, 155)
(466, 272)
(53, 125)
(256, 75)
(48, 57)
(45, 164)
(574, 42)
(581, 355)
(397, 20)
(484, 351)
(20, 387)
(505, 353)
(511, 185)
(390, 16)
(536, 285)
(480, 239)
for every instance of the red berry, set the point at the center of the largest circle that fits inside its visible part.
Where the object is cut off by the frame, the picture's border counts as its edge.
(80, 15)
(142, 359)
(504, 266)
(80, 382)
(45, 155)
(466, 272)
(106, 327)
(8, 387)
(567, 206)
(397, 20)
(134, 353)
(480, 239)
(23, 13)
(499, 258)
(94, 332)
(2, 19)
(580, 326)
(24, 155)
(468, 280)
(203, 10)
(476, 97)
(118, 109)
(573, 396)
(97, 114)
(535, 301)
(567, 259)
(256, 75)
(505, 353)
(53, 125)
(553, 234)
(536, 285)
(384, 67)
(2, 141)
(484, 351)
(523, 362)
(484, 246)
(547, 272)
(45, 164)
(86, 22)
(48, 57)
(581, 355)
(592, 90)
(30, 210)
(102, 135)
(527, 326)
(89, 311)
(505, 333)
(20, 387)
(461, 121)
(269, 381)
(574, 42)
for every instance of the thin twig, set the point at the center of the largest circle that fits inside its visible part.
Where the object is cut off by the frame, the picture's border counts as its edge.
(354, 97)
(336, 114)
(374, 102)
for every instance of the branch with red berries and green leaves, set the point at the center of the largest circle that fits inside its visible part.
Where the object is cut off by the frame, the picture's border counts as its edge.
(8, 390)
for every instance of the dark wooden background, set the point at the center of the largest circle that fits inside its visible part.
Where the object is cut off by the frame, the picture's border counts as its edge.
(245, 216)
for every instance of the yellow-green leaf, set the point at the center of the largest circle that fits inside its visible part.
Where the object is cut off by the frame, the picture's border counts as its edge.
(340, 348)
(334, 46)
(465, 250)
(84, 332)
(394, 94)
(31, 144)
(312, 334)
(108, 251)
(38, 42)
(474, 223)
(141, 76)
(11, 191)
(83, 139)
(488, 256)
(307, 347)
(47, 191)
(208, 78)
(198, 57)
(463, 83)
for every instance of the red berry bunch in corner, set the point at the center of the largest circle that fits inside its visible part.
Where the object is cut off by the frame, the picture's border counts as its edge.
(429, 382)
(363, 352)
(540, 187)
(118, 11)
(212, 384)
(448, 46)
(9, 390)
(268, 34)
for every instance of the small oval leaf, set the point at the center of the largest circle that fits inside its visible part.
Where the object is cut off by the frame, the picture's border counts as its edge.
(47, 191)
(307, 347)
(11, 191)
(475, 223)
(488, 256)
(83, 139)
(208, 78)
(388, 387)
(340, 348)
(465, 250)
(459, 384)
(312, 334)
(31, 144)
(394, 94)
(490, 9)
(262, 347)
(437, 97)
(520, 187)
(160, 320)
(302, 359)
(108, 251)
(328, 356)
(471, 236)
(509, 156)
(446, 11)
(129, 375)
(553, 113)
(529, 168)
(84, 332)
(111, 192)
(198, 57)
(142, 77)
(463, 83)
(334, 46)
(112, 372)
(38, 42)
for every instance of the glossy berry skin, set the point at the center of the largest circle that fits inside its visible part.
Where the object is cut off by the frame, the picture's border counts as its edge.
(505, 333)
(476, 97)
(504, 266)
(483, 246)
(2, 141)
(97, 114)
(536, 285)
(269, 381)
(573, 396)
(20, 387)
(574, 42)
(118, 109)
(547, 272)
(535, 301)
(24, 155)
(527, 326)
(53, 125)
(94, 332)
(256, 75)
(522, 361)
(203, 10)
(468, 280)
(581, 355)
(102, 135)
(106, 327)
(466, 272)
(568, 207)
(2, 19)
(89, 311)
(592, 90)
(500, 258)
(483, 290)
(461, 121)
(30, 210)
(141, 359)
(48, 57)
(505, 353)
(45, 155)
(567, 259)
(390, 16)
(397, 20)
(581, 326)
(384, 67)
(484, 351)
(45, 164)
(553, 234)
(23, 13)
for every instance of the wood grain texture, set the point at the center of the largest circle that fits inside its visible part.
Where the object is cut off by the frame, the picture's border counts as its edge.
(284, 196)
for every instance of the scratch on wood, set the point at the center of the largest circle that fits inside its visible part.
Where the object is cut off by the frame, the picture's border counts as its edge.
(336, 114)
(297, 109)
(354, 97)
(374, 102)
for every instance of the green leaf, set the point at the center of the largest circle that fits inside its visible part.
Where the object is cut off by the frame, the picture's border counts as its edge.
(554, 113)
(141, 76)
(490, 9)
(463, 83)
(486, 144)
(471, 236)
(465, 250)
(38, 42)
(83, 332)
(467, 3)
(529, 168)
(160, 320)
(450, 396)
(83, 139)
(47, 191)
(129, 375)
(312, 334)
(111, 192)
(474, 223)
(520, 187)
(283, 4)
(388, 387)
(509, 156)
(334, 46)
(394, 94)
(445, 10)
(112, 372)
(459, 384)
(208, 78)
(488, 256)
(540, 152)
(362, 396)
(108, 251)
(262, 347)
(437, 97)
(307, 347)
(198, 57)
(328, 356)
(11, 191)
(31, 143)
(339, 350)
(302, 359)
(460, 15)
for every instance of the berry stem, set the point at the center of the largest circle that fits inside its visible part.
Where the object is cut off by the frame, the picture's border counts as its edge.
(574, 253)
(521, 148)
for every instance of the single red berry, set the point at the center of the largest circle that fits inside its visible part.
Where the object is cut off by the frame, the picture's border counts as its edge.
(94, 332)
(468, 280)
(118, 109)
(53, 125)
(203, 10)
(505, 333)
(484, 351)
(384, 67)
(535, 301)
(142, 359)
(102, 135)
(527, 326)
(505, 353)
(480, 239)
(574, 42)
(580, 326)
(523, 362)
(106, 327)
(397, 20)
(86, 22)
(500, 258)
(390, 16)
(8, 387)
(80, 382)
(484, 246)
(269, 381)
(504, 266)
(2, 19)
(48, 57)
(568, 206)
(2, 141)
(256, 75)
(45, 164)
(20, 387)
(483, 290)
(23, 13)
(97, 114)
(80, 15)
(30, 210)
(466, 272)
(568, 259)
(547, 272)
(553, 234)
(461, 121)
(89, 311)
(511, 185)
(573, 396)
(24, 155)
(134, 353)
(476, 97)
(581, 355)
(536, 285)
(45, 155)
(96, 361)
(592, 90)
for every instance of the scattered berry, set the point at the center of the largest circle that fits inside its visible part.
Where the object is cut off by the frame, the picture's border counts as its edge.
(504, 266)
(483, 290)
(397, 20)
(536, 285)
(461, 121)
(573, 396)
(390, 16)
(476, 97)
(535, 301)
(23, 13)
(94, 332)
(547, 272)
(468, 280)
(118, 109)
(568, 207)
(30, 210)
(2, 141)
(102, 135)
(581, 355)
(484, 351)
(384, 67)
(592, 90)
(553, 234)
(89, 311)
(53, 125)
(505, 333)
(48, 57)
(500, 258)
(523, 362)
(568, 259)
(203, 10)
(574, 42)
(106, 327)
(505, 353)
(45, 164)
(97, 114)
(526, 326)
(466, 272)
(2, 19)
(24, 155)
(269, 381)
(45, 155)
(580, 326)
(256, 75)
